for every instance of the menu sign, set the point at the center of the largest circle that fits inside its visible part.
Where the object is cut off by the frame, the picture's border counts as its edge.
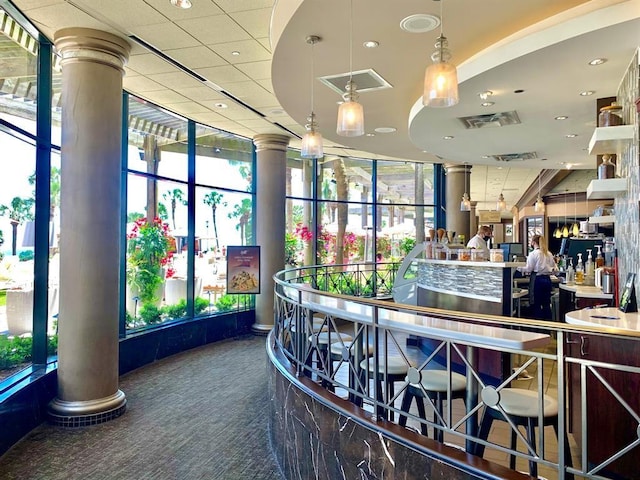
(243, 269)
(628, 298)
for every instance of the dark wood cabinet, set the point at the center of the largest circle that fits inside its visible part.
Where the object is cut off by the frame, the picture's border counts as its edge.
(610, 425)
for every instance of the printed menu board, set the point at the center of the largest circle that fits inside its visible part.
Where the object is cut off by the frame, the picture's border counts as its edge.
(628, 298)
(243, 269)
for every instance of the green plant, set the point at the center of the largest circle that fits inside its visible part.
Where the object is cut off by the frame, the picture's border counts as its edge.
(25, 255)
(407, 244)
(291, 249)
(226, 303)
(150, 314)
(148, 252)
(201, 304)
(178, 310)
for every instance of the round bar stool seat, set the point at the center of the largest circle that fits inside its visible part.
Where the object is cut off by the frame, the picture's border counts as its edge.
(521, 406)
(338, 349)
(396, 370)
(435, 383)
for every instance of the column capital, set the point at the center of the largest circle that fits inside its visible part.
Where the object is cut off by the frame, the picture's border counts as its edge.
(457, 168)
(89, 45)
(271, 141)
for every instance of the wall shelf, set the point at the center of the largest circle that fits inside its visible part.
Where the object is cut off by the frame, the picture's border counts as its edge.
(606, 188)
(610, 139)
(603, 220)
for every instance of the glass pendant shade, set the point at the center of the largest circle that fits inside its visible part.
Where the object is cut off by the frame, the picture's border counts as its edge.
(465, 204)
(565, 232)
(539, 205)
(350, 114)
(312, 141)
(557, 233)
(440, 78)
(501, 205)
(575, 229)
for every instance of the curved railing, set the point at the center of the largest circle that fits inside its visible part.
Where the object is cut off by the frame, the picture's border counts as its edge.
(493, 357)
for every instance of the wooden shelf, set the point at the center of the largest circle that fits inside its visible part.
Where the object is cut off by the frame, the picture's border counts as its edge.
(606, 188)
(610, 139)
(603, 220)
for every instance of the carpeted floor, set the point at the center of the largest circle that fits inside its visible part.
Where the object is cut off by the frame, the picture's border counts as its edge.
(201, 414)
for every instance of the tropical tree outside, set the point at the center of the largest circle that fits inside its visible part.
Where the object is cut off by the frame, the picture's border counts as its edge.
(174, 196)
(20, 210)
(213, 199)
(242, 213)
(54, 189)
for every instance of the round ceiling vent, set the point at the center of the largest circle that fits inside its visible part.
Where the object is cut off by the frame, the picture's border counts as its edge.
(419, 23)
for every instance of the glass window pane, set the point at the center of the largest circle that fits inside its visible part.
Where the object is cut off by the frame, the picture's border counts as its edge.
(223, 160)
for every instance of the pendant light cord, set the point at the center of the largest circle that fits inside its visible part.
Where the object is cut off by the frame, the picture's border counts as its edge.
(350, 40)
(313, 44)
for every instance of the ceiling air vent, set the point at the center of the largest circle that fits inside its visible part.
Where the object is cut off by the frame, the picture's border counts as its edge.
(365, 80)
(515, 157)
(491, 120)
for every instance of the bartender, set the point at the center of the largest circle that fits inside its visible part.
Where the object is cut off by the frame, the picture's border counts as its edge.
(480, 239)
(541, 265)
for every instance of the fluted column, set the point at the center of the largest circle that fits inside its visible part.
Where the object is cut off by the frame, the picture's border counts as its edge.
(92, 70)
(270, 172)
(457, 178)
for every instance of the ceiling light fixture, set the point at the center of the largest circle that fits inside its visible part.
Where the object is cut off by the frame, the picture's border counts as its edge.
(181, 3)
(597, 61)
(486, 94)
(235, 53)
(561, 117)
(350, 112)
(312, 141)
(587, 93)
(487, 104)
(465, 204)
(501, 205)
(441, 77)
(370, 44)
(539, 205)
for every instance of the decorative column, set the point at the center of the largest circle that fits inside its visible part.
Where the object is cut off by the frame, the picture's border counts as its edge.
(270, 220)
(92, 70)
(457, 177)
(473, 219)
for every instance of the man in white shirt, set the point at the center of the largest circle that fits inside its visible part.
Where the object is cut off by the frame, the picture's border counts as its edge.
(480, 239)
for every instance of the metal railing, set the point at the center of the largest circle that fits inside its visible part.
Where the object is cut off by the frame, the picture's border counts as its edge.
(369, 335)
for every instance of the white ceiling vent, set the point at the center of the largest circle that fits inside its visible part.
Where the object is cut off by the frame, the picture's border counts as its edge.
(365, 80)
(491, 120)
(515, 157)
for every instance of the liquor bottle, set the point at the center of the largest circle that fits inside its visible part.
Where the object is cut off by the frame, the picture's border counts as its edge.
(579, 271)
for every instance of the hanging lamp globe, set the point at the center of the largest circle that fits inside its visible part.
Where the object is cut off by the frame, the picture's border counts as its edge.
(350, 113)
(312, 146)
(440, 78)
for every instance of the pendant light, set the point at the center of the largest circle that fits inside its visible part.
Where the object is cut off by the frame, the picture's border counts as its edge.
(501, 205)
(565, 229)
(312, 140)
(465, 204)
(575, 228)
(441, 77)
(557, 233)
(350, 112)
(539, 205)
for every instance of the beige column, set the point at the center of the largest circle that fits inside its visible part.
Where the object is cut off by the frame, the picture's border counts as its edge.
(473, 219)
(92, 70)
(270, 220)
(457, 180)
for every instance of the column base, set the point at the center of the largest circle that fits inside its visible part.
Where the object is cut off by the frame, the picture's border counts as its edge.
(261, 329)
(91, 412)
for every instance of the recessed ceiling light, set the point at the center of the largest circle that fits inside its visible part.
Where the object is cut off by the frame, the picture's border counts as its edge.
(487, 104)
(370, 44)
(235, 53)
(276, 111)
(486, 94)
(221, 105)
(385, 129)
(561, 117)
(448, 137)
(597, 61)
(371, 134)
(486, 156)
(586, 93)
(571, 135)
(181, 3)
(419, 23)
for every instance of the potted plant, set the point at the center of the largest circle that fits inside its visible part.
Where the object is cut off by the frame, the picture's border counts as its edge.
(148, 254)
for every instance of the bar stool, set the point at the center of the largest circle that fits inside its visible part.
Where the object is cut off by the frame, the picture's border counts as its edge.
(521, 406)
(397, 369)
(433, 383)
(321, 341)
(344, 352)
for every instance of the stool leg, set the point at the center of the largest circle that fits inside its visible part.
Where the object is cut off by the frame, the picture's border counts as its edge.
(407, 398)
(437, 433)
(512, 458)
(423, 415)
(531, 436)
(483, 434)
(392, 391)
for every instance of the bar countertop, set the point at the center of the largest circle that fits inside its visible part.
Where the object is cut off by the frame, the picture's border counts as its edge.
(604, 317)
(582, 291)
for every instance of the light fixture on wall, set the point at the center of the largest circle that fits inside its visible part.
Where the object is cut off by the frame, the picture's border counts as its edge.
(350, 112)
(501, 205)
(465, 204)
(441, 77)
(181, 3)
(575, 228)
(539, 205)
(312, 140)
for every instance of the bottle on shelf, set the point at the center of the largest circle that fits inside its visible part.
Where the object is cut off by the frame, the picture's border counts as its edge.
(579, 270)
(571, 273)
(589, 270)
(599, 257)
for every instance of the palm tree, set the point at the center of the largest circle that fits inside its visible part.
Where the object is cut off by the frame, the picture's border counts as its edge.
(20, 210)
(213, 199)
(176, 195)
(54, 189)
(342, 194)
(242, 212)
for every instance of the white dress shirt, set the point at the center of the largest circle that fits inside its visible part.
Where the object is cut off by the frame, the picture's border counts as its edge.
(539, 263)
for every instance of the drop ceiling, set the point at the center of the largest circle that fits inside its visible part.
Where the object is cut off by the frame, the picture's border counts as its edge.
(252, 56)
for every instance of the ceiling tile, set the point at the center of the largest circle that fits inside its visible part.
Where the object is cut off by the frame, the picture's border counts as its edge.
(53, 17)
(123, 13)
(202, 93)
(266, 83)
(149, 64)
(165, 36)
(200, 8)
(256, 22)
(232, 112)
(244, 89)
(266, 43)
(260, 98)
(240, 5)
(223, 75)
(176, 80)
(165, 96)
(187, 108)
(196, 57)
(256, 70)
(209, 117)
(140, 84)
(214, 29)
(250, 51)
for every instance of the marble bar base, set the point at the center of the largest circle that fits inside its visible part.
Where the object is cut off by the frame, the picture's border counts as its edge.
(316, 434)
